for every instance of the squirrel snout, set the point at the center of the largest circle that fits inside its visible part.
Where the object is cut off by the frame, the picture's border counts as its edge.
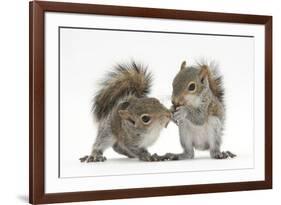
(176, 101)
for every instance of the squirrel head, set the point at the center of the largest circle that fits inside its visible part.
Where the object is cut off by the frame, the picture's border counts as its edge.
(143, 114)
(189, 84)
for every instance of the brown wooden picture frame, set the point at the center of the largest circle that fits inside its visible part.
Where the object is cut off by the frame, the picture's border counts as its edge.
(37, 96)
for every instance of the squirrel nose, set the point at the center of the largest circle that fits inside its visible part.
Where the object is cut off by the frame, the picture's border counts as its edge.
(176, 101)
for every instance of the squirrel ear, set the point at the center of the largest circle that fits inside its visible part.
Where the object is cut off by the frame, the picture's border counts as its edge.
(124, 105)
(183, 65)
(203, 74)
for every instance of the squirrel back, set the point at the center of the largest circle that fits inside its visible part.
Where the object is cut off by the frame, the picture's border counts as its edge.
(126, 80)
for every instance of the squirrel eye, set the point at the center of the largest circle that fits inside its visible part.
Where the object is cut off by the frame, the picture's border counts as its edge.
(191, 86)
(145, 118)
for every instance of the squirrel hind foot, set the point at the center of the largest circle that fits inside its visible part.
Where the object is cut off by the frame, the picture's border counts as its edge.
(92, 158)
(83, 159)
(96, 158)
(223, 155)
(230, 154)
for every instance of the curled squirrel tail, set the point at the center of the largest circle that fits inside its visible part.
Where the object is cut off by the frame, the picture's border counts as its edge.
(126, 79)
(215, 79)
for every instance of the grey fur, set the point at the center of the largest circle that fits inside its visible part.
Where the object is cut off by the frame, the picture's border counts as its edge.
(126, 79)
(216, 79)
(121, 150)
(104, 140)
(119, 107)
(199, 114)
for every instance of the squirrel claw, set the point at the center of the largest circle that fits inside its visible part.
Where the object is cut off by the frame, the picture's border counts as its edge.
(151, 158)
(90, 159)
(166, 157)
(171, 156)
(230, 154)
(96, 158)
(146, 158)
(179, 115)
(83, 159)
(155, 157)
(220, 155)
(224, 155)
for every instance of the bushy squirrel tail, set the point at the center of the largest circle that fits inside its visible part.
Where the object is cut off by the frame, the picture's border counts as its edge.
(215, 79)
(126, 79)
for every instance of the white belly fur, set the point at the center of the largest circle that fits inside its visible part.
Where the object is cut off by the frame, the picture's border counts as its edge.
(150, 138)
(202, 136)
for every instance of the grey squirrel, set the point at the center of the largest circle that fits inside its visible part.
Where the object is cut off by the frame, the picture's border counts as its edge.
(199, 111)
(129, 121)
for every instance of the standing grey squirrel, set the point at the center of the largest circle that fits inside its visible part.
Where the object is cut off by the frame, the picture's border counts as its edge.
(199, 111)
(129, 121)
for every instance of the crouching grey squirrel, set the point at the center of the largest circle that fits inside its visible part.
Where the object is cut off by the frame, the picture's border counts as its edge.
(129, 121)
(198, 110)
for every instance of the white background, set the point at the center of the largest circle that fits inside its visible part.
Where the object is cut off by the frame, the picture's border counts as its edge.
(14, 103)
(86, 55)
(79, 70)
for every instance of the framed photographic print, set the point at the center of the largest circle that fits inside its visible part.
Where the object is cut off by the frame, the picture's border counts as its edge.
(139, 102)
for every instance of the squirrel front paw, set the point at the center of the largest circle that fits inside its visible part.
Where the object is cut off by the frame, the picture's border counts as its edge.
(150, 158)
(171, 156)
(156, 158)
(179, 115)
